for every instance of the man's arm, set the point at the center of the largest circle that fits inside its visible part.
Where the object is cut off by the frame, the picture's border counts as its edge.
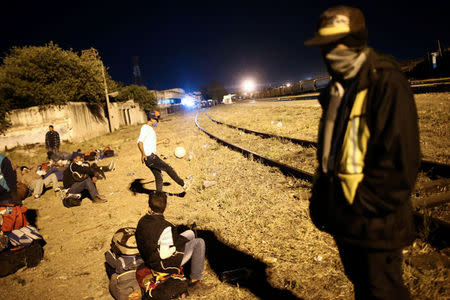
(57, 141)
(141, 148)
(47, 140)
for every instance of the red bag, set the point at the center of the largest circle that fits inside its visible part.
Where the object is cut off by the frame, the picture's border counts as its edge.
(13, 217)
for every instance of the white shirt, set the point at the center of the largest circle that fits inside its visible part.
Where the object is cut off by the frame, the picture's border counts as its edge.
(148, 139)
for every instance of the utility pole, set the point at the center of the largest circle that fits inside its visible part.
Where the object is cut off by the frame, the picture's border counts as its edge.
(107, 97)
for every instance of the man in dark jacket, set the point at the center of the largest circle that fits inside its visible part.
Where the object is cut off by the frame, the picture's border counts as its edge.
(8, 182)
(162, 248)
(79, 176)
(52, 140)
(368, 156)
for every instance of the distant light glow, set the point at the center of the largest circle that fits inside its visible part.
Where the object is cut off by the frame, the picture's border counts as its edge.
(188, 101)
(288, 84)
(249, 85)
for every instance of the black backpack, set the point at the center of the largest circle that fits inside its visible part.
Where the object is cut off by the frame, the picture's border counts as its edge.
(30, 256)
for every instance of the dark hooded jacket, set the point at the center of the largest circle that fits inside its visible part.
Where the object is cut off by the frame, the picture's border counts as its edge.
(148, 232)
(378, 212)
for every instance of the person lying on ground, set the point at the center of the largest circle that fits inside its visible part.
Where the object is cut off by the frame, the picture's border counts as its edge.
(163, 249)
(56, 156)
(35, 182)
(79, 177)
(99, 171)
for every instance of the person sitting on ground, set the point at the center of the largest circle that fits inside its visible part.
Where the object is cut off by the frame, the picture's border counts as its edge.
(34, 181)
(163, 249)
(78, 177)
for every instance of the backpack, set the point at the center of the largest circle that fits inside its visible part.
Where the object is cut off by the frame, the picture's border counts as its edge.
(108, 153)
(161, 286)
(122, 260)
(14, 217)
(125, 286)
(122, 263)
(13, 260)
(123, 242)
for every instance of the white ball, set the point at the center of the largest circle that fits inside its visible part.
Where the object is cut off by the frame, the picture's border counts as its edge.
(180, 152)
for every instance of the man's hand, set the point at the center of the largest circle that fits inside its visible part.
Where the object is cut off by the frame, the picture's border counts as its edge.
(94, 179)
(143, 158)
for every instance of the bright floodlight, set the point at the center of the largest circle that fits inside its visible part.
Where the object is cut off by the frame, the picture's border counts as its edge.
(249, 85)
(188, 101)
(288, 84)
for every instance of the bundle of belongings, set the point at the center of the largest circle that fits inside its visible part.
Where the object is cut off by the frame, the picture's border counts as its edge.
(98, 154)
(130, 279)
(21, 244)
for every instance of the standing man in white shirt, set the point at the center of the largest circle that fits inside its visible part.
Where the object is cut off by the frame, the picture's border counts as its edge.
(147, 146)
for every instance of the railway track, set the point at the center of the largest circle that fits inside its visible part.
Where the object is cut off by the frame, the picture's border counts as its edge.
(433, 169)
(418, 87)
(438, 230)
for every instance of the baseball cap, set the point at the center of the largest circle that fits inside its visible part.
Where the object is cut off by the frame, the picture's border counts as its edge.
(340, 22)
(153, 114)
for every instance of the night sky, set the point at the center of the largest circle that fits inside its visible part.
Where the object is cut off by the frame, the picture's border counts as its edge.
(187, 44)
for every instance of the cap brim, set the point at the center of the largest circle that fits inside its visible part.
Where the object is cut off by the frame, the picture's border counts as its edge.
(320, 40)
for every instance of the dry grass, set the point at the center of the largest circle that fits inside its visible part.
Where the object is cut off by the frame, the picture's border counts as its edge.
(252, 208)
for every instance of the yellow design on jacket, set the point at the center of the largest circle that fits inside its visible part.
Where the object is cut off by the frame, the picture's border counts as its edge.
(354, 148)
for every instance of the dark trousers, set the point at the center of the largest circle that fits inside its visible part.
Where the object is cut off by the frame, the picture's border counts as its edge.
(375, 274)
(87, 184)
(156, 165)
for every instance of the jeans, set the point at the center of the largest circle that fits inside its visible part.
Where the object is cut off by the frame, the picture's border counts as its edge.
(194, 250)
(80, 186)
(37, 186)
(156, 165)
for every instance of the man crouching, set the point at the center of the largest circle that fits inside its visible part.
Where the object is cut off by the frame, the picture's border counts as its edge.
(163, 249)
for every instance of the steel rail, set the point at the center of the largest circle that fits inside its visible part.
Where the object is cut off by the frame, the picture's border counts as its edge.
(433, 168)
(304, 143)
(285, 169)
(439, 235)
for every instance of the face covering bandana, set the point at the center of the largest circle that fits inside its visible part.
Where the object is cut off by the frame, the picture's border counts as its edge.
(155, 124)
(345, 63)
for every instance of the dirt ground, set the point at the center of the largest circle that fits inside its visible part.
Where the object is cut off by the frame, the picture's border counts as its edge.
(249, 214)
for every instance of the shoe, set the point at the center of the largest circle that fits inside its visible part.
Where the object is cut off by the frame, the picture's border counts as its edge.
(188, 183)
(97, 199)
(73, 196)
(36, 196)
(199, 288)
(57, 190)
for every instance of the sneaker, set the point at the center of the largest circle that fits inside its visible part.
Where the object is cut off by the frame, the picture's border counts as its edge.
(188, 183)
(200, 288)
(57, 190)
(36, 196)
(97, 199)
(72, 196)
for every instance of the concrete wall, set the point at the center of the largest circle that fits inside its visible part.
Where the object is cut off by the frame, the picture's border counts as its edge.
(74, 122)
